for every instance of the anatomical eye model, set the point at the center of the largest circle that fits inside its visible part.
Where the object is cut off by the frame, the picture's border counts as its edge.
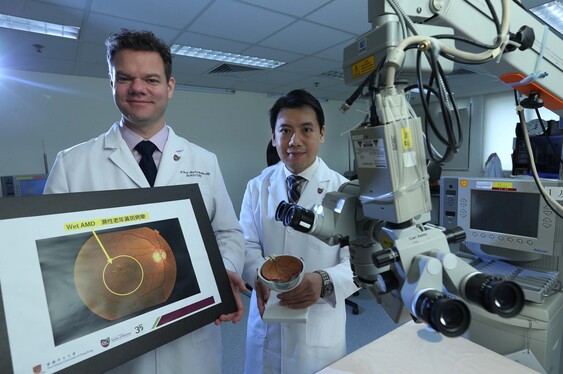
(281, 268)
(122, 272)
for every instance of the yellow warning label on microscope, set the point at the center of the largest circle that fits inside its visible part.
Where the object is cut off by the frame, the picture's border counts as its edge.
(367, 65)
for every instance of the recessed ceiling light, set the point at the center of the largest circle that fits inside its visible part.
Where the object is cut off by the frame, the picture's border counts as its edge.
(234, 58)
(39, 27)
(551, 13)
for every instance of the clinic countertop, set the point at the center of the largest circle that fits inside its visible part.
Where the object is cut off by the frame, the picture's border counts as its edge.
(415, 348)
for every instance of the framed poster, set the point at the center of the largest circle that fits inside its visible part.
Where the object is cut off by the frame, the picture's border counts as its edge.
(91, 280)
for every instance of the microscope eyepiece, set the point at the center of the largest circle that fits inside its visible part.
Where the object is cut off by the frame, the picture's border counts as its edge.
(281, 210)
(496, 295)
(445, 314)
(293, 215)
(299, 218)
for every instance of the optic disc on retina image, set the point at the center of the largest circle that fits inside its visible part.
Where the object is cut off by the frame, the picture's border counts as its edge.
(122, 272)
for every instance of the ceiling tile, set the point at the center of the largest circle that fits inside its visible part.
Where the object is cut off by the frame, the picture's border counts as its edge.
(52, 65)
(209, 82)
(279, 77)
(319, 81)
(309, 35)
(91, 69)
(250, 86)
(78, 4)
(306, 37)
(293, 7)
(46, 12)
(311, 65)
(336, 52)
(251, 24)
(354, 19)
(92, 52)
(13, 8)
(170, 13)
(99, 27)
(36, 46)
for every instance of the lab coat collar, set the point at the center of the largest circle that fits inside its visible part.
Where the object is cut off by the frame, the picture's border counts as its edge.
(123, 158)
(317, 184)
(171, 161)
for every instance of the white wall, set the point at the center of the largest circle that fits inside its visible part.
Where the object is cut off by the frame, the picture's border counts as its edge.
(472, 130)
(60, 111)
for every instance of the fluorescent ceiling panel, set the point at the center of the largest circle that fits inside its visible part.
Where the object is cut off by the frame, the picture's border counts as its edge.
(551, 13)
(234, 58)
(39, 27)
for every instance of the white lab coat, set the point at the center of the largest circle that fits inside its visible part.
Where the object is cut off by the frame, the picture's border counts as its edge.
(106, 163)
(322, 340)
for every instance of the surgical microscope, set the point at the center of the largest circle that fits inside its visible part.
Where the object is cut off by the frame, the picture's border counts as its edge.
(405, 262)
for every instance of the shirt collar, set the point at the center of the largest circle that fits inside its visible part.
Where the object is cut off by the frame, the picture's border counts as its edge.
(307, 173)
(132, 139)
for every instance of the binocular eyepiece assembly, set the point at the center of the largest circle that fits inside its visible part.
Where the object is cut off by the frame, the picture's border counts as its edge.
(293, 215)
(444, 313)
(501, 297)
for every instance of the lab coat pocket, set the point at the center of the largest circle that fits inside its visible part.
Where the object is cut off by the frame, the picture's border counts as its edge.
(324, 328)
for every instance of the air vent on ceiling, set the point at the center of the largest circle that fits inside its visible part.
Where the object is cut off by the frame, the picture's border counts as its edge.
(334, 74)
(235, 71)
(461, 71)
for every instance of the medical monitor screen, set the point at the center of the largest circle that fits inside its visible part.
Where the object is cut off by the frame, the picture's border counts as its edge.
(22, 185)
(505, 212)
(32, 187)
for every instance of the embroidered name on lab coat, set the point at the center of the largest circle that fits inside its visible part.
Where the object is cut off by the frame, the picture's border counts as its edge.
(195, 173)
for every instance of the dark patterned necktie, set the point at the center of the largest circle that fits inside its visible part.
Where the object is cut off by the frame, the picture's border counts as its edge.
(146, 148)
(294, 185)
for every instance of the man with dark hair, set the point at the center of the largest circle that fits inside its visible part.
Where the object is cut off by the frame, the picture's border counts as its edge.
(140, 67)
(297, 122)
